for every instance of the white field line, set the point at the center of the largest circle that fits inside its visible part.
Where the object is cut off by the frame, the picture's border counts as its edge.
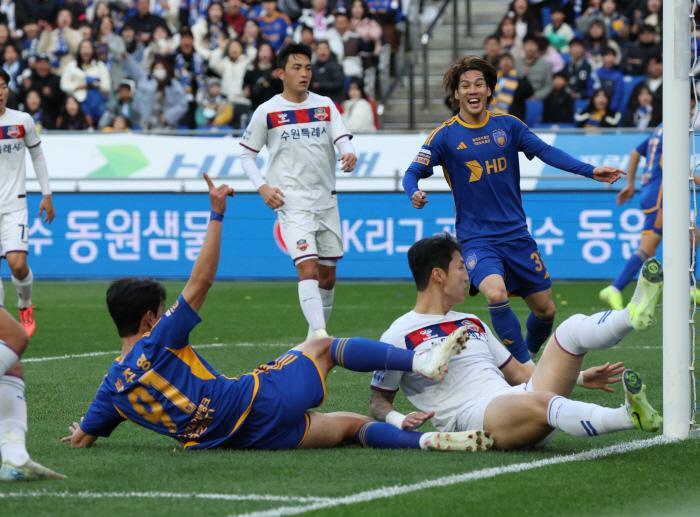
(117, 352)
(385, 492)
(163, 495)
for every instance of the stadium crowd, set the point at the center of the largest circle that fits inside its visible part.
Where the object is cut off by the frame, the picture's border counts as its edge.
(164, 64)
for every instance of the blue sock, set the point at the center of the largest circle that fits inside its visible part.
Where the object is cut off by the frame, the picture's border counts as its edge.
(380, 435)
(507, 327)
(538, 330)
(632, 267)
(364, 355)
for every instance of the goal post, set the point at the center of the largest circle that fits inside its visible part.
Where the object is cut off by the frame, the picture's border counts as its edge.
(677, 312)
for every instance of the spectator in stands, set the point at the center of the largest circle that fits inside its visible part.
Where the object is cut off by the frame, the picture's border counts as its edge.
(169, 10)
(32, 105)
(29, 41)
(345, 44)
(215, 110)
(72, 116)
(559, 104)
(653, 78)
(61, 44)
(47, 84)
(549, 54)
(234, 16)
(120, 123)
(85, 30)
(558, 32)
(307, 38)
(211, 32)
(12, 65)
(161, 44)
(537, 70)
(37, 9)
(358, 114)
(274, 25)
(191, 11)
(609, 78)
(231, 64)
(638, 54)
(506, 86)
(616, 24)
(596, 42)
(77, 9)
(96, 12)
(327, 75)
(8, 15)
(109, 46)
(506, 35)
(292, 8)
(370, 32)
(492, 50)
(251, 38)
(261, 81)
(386, 14)
(4, 39)
(189, 70)
(318, 18)
(120, 105)
(144, 22)
(525, 18)
(160, 100)
(87, 79)
(578, 69)
(651, 14)
(598, 112)
(643, 110)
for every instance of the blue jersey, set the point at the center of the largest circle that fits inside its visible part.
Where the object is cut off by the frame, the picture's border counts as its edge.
(276, 28)
(480, 163)
(162, 384)
(652, 176)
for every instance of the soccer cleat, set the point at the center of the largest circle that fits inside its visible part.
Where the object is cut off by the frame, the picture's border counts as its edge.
(30, 471)
(435, 359)
(649, 286)
(645, 417)
(26, 319)
(694, 295)
(469, 441)
(612, 297)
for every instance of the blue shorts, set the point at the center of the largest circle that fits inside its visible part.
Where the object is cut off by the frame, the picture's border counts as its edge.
(653, 221)
(288, 387)
(517, 261)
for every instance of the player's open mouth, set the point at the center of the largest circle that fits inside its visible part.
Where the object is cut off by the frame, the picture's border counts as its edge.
(474, 103)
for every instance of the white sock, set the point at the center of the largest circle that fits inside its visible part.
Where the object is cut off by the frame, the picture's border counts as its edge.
(13, 421)
(579, 334)
(424, 440)
(582, 419)
(327, 299)
(311, 304)
(24, 290)
(8, 357)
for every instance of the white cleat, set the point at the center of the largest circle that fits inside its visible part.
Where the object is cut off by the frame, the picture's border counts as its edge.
(467, 441)
(434, 361)
(30, 471)
(319, 333)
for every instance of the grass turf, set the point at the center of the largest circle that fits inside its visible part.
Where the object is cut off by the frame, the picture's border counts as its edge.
(72, 319)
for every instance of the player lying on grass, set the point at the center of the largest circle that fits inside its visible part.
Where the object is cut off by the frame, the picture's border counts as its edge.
(16, 464)
(161, 383)
(520, 405)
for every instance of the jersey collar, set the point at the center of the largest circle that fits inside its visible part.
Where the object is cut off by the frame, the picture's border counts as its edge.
(473, 126)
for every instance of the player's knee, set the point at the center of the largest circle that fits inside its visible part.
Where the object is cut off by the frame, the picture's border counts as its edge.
(546, 312)
(20, 270)
(320, 347)
(16, 369)
(308, 269)
(326, 279)
(496, 294)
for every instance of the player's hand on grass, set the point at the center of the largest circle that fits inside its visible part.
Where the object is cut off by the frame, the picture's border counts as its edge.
(271, 196)
(348, 162)
(598, 377)
(47, 206)
(419, 199)
(626, 194)
(74, 429)
(608, 174)
(217, 195)
(415, 420)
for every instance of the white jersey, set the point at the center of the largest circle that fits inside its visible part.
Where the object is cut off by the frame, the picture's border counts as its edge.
(300, 138)
(473, 374)
(17, 133)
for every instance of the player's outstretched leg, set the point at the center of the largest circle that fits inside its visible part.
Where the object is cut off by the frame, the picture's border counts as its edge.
(639, 411)
(649, 286)
(385, 436)
(612, 294)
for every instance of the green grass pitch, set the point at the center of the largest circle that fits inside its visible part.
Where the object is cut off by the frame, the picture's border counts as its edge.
(72, 319)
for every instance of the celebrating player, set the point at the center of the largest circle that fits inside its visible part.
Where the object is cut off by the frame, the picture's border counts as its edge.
(16, 464)
(300, 129)
(18, 133)
(161, 383)
(478, 152)
(520, 405)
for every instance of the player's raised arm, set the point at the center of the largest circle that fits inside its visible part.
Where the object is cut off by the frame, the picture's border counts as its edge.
(204, 269)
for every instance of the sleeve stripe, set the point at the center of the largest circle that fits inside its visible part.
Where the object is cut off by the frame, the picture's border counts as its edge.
(341, 136)
(33, 146)
(507, 361)
(249, 148)
(376, 388)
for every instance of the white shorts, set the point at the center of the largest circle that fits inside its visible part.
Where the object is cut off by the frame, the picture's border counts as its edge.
(14, 231)
(472, 416)
(309, 235)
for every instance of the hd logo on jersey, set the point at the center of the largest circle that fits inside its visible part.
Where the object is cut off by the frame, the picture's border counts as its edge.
(476, 168)
(499, 136)
(471, 261)
(320, 114)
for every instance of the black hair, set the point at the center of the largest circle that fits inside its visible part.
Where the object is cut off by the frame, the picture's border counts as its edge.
(429, 253)
(129, 299)
(293, 49)
(273, 61)
(560, 74)
(489, 38)
(306, 28)
(647, 28)
(79, 59)
(5, 77)
(656, 57)
(577, 41)
(557, 9)
(360, 85)
(530, 37)
(609, 50)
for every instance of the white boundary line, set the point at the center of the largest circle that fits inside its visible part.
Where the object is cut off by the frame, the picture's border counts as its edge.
(166, 495)
(385, 492)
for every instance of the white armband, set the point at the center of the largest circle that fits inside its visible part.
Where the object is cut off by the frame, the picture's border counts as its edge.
(395, 418)
(579, 381)
(251, 168)
(42, 172)
(344, 146)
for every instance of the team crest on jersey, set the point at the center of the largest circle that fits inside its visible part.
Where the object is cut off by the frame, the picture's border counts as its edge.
(499, 136)
(471, 261)
(320, 114)
(302, 245)
(14, 132)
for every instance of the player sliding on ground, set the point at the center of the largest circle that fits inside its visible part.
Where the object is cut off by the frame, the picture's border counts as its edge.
(519, 405)
(161, 383)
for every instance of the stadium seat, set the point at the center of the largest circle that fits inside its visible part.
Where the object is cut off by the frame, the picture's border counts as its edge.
(629, 82)
(533, 112)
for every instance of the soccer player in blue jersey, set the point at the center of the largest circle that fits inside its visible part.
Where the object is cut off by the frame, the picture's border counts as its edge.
(478, 152)
(161, 383)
